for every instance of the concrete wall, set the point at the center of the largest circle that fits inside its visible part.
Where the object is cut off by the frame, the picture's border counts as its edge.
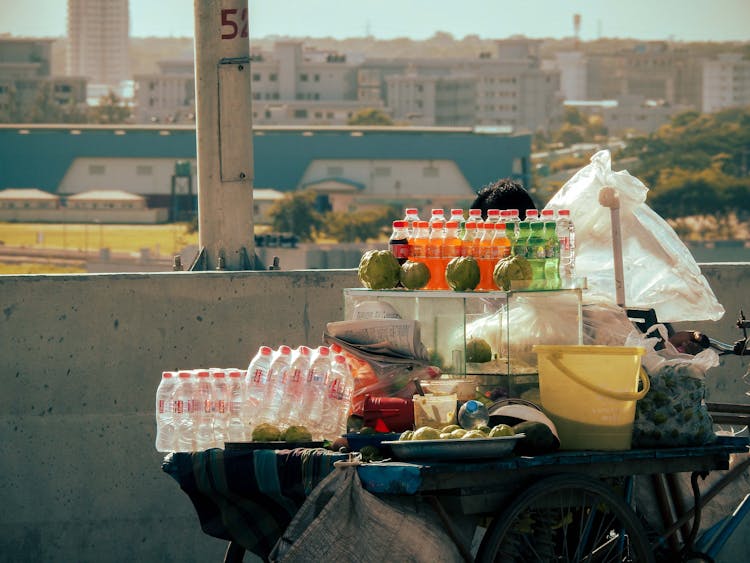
(80, 358)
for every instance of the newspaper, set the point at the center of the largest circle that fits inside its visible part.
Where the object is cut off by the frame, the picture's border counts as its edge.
(397, 338)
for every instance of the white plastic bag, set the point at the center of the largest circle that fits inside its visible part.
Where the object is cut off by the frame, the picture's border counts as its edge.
(660, 272)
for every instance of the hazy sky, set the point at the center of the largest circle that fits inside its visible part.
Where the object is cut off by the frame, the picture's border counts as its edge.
(682, 20)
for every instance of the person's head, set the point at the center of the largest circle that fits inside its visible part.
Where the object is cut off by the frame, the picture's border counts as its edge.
(505, 193)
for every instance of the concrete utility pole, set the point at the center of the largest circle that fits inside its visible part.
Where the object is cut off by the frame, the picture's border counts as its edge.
(224, 136)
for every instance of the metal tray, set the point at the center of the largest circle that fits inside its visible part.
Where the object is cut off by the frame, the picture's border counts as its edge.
(477, 448)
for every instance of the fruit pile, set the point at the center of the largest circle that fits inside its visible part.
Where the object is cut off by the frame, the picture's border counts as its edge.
(455, 432)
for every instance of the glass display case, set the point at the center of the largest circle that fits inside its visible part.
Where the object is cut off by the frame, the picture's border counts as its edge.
(487, 336)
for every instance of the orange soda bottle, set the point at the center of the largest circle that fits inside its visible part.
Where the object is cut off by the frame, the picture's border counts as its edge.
(486, 264)
(434, 257)
(418, 242)
(470, 235)
(451, 244)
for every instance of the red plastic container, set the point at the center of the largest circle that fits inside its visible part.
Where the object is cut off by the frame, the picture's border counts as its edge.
(388, 414)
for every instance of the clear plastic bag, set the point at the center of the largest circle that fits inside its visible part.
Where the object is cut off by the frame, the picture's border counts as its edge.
(660, 272)
(673, 413)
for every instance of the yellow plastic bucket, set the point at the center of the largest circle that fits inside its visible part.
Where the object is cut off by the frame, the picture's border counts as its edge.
(590, 392)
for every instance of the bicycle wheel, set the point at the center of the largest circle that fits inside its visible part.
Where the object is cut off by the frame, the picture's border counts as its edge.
(566, 518)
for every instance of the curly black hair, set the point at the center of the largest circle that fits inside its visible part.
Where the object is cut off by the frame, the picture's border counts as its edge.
(505, 193)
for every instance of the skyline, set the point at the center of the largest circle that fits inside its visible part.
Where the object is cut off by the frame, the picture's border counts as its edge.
(709, 20)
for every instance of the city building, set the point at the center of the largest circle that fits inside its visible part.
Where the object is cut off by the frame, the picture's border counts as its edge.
(99, 42)
(28, 92)
(726, 82)
(167, 96)
(432, 100)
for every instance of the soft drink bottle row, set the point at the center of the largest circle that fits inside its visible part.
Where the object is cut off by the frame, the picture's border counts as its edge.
(544, 239)
(201, 409)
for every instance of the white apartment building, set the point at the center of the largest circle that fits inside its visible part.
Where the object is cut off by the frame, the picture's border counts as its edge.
(168, 96)
(726, 82)
(432, 100)
(98, 41)
(573, 69)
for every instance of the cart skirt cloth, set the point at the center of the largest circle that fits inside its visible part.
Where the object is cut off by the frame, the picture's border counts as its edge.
(340, 521)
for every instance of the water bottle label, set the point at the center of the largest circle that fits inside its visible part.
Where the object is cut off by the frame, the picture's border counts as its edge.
(206, 406)
(162, 404)
(220, 406)
(333, 390)
(235, 407)
(178, 406)
(296, 376)
(257, 376)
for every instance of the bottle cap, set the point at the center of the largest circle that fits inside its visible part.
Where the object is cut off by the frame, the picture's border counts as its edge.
(437, 224)
(500, 226)
(548, 212)
(202, 373)
(493, 212)
(457, 211)
(284, 349)
(339, 359)
(451, 225)
(323, 350)
(303, 350)
(563, 211)
(167, 373)
(265, 351)
(399, 224)
(532, 213)
(235, 373)
(411, 210)
(474, 212)
(184, 374)
(219, 373)
(423, 224)
(471, 225)
(437, 212)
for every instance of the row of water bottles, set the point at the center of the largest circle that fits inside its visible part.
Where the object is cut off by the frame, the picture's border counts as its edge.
(205, 408)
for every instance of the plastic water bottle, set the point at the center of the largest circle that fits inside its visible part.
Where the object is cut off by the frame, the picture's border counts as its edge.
(236, 431)
(566, 234)
(338, 399)
(183, 412)
(536, 254)
(437, 216)
(532, 215)
(165, 423)
(290, 411)
(203, 415)
(315, 391)
(493, 216)
(346, 390)
(475, 216)
(473, 414)
(278, 377)
(411, 217)
(457, 215)
(255, 382)
(220, 403)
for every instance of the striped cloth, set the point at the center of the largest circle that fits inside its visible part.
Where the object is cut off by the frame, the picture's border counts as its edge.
(249, 496)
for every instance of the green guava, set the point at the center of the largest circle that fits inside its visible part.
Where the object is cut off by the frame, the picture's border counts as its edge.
(511, 268)
(266, 433)
(426, 433)
(414, 275)
(462, 273)
(296, 433)
(478, 351)
(379, 269)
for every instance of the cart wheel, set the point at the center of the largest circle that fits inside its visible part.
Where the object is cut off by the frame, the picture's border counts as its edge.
(566, 518)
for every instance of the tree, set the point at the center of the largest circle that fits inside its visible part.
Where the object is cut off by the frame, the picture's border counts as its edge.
(370, 116)
(45, 108)
(296, 214)
(359, 225)
(110, 110)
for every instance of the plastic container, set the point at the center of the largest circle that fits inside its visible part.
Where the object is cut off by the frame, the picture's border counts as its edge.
(388, 414)
(464, 389)
(436, 411)
(590, 393)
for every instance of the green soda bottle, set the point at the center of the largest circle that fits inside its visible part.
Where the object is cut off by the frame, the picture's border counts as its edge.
(552, 256)
(519, 238)
(536, 254)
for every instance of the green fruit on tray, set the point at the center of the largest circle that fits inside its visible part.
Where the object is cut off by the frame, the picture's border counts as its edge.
(462, 273)
(266, 433)
(509, 269)
(478, 351)
(379, 269)
(501, 430)
(414, 275)
(426, 433)
(296, 433)
(473, 435)
(370, 453)
(406, 435)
